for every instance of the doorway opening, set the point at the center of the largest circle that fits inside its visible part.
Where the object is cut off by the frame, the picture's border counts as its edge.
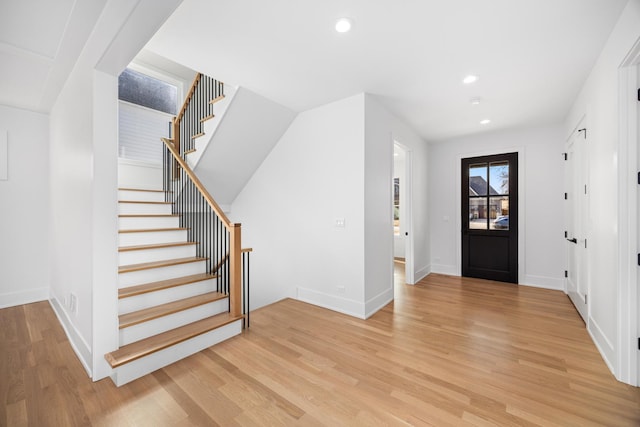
(401, 206)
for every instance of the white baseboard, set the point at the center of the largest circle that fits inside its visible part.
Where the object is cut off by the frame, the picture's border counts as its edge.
(603, 345)
(422, 273)
(376, 303)
(332, 302)
(449, 270)
(543, 282)
(79, 345)
(12, 299)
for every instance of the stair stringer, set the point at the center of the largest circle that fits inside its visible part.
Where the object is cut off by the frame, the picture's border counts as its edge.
(252, 125)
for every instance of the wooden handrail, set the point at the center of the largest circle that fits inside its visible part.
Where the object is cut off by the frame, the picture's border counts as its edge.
(196, 80)
(228, 224)
(223, 260)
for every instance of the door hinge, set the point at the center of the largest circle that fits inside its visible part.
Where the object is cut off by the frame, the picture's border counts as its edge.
(638, 94)
(585, 243)
(566, 196)
(567, 235)
(638, 259)
(585, 132)
(566, 273)
(585, 189)
(565, 156)
(638, 343)
(638, 178)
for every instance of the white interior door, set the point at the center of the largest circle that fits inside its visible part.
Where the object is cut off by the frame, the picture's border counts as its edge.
(576, 217)
(638, 219)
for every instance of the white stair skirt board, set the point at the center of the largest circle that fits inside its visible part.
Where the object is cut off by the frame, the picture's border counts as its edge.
(140, 222)
(145, 365)
(156, 254)
(143, 208)
(162, 324)
(151, 237)
(152, 299)
(142, 196)
(160, 273)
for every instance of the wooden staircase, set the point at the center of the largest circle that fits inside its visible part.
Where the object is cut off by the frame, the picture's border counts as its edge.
(168, 305)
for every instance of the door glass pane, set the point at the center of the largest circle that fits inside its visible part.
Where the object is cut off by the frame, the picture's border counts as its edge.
(499, 178)
(499, 213)
(478, 180)
(478, 213)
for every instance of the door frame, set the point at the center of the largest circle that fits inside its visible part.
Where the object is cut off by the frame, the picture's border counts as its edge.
(521, 204)
(627, 358)
(409, 270)
(468, 234)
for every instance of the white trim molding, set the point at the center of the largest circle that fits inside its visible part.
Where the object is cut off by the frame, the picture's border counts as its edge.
(626, 362)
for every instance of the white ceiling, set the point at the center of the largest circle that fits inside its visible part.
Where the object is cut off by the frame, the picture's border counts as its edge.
(531, 56)
(40, 41)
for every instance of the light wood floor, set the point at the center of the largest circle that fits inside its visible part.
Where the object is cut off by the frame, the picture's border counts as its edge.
(448, 351)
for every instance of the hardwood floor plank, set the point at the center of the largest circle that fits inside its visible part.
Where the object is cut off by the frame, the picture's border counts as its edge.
(447, 352)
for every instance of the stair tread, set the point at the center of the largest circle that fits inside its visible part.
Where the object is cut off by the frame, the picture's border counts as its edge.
(147, 346)
(149, 230)
(142, 189)
(157, 264)
(216, 99)
(137, 317)
(132, 291)
(154, 246)
(144, 202)
(209, 117)
(197, 135)
(147, 215)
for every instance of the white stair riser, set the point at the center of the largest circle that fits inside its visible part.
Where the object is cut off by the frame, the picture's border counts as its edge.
(152, 299)
(151, 237)
(157, 254)
(209, 126)
(145, 365)
(162, 324)
(160, 273)
(143, 209)
(144, 222)
(141, 196)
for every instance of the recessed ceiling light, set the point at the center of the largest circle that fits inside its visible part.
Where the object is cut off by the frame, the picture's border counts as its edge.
(343, 25)
(485, 122)
(469, 79)
(475, 101)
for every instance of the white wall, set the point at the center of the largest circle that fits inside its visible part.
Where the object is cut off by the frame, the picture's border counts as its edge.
(334, 162)
(541, 236)
(24, 228)
(137, 174)
(598, 102)
(382, 129)
(314, 175)
(83, 179)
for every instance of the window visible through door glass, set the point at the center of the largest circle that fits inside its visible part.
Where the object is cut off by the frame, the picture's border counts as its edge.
(489, 196)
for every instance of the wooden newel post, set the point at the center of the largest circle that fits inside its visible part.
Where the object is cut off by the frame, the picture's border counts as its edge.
(175, 130)
(235, 273)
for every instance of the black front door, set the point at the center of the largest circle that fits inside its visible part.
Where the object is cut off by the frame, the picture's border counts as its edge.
(490, 217)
